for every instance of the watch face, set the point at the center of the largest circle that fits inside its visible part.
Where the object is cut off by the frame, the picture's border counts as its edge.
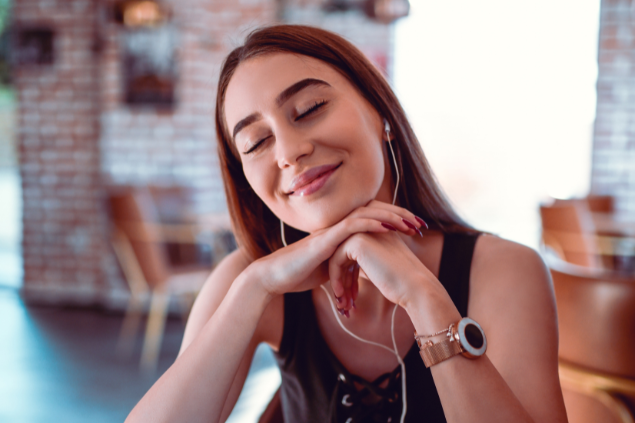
(474, 336)
(471, 337)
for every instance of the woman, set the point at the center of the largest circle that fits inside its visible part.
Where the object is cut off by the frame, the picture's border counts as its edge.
(315, 148)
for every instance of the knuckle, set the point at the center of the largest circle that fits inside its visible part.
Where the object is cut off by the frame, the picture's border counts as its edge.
(358, 239)
(347, 224)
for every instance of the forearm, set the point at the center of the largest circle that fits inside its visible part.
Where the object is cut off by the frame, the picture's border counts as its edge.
(470, 390)
(474, 391)
(195, 387)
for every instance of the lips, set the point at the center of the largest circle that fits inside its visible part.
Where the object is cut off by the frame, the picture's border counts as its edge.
(309, 176)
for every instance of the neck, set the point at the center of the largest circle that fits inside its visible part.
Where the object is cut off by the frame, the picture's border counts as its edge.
(371, 304)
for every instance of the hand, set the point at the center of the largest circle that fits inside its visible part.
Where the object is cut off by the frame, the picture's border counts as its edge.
(304, 265)
(387, 262)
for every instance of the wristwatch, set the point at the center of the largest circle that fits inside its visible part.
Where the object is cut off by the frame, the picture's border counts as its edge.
(465, 337)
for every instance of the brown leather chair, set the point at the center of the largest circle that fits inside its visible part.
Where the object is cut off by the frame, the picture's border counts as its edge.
(596, 318)
(138, 239)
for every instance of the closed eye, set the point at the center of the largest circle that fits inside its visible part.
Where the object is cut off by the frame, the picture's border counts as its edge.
(304, 114)
(256, 145)
(311, 109)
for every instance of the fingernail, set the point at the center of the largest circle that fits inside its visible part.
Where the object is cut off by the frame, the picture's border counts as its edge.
(353, 304)
(421, 222)
(412, 226)
(342, 311)
(388, 226)
(338, 299)
(346, 313)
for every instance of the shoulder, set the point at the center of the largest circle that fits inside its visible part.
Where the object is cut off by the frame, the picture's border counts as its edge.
(213, 293)
(506, 265)
(510, 275)
(511, 296)
(493, 253)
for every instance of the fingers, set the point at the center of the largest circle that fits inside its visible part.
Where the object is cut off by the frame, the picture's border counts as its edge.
(343, 275)
(397, 217)
(378, 218)
(350, 287)
(355, 285)
(404, 213)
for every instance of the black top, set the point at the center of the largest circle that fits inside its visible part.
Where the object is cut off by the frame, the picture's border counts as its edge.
(316, 387)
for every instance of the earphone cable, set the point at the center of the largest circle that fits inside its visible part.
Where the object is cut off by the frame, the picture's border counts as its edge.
(395, 351)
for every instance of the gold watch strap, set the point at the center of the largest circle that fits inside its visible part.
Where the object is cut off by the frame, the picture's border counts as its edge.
(441, 351)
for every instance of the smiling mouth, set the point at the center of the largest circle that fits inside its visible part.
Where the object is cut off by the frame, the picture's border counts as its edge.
(314, 184)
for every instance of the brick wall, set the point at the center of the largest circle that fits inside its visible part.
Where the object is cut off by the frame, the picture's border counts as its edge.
(77, 136)
(614, 135)
(64, 239)
(8, 153)
(176, 147)
(373, 38)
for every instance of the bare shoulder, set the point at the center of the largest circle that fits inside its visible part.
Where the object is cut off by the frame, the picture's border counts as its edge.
(508, 279)
(493, 254)
(213, 293)
(511, 296)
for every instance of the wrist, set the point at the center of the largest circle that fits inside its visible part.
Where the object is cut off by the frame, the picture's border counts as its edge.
(430, 308)
(250, 283)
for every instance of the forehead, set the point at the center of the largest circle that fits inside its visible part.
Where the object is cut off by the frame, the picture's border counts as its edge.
(258, 81)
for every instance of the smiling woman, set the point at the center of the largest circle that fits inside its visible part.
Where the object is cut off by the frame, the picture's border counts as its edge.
(312, 140)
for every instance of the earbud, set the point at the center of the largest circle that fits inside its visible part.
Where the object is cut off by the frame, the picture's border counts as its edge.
(386, 126)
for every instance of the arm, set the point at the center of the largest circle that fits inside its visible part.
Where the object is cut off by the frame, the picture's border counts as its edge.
(241, 306)
(269, 329)
(205, 380)
(510, 297)
(517, 379)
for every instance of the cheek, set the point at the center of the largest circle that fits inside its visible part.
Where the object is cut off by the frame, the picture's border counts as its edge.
(262, 182)
(371, 166)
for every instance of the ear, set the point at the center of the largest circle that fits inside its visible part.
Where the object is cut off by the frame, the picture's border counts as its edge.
(389, 135)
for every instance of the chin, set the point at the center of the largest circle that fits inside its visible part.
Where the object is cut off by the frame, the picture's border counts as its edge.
(325, 217)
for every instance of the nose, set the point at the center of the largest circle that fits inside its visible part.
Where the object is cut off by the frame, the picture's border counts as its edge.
(291, 146)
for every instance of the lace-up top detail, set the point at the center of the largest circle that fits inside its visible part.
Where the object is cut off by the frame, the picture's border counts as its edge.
(357, 400)
(317, 388)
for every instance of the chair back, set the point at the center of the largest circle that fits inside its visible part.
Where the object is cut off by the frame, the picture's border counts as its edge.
(133, 214)
(568, 229)
(601, 203)
(173, 202)
(596, 318)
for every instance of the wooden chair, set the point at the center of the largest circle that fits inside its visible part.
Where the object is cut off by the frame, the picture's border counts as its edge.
(594, 203)
(600, 203)
(138, 238)
(568, 229)
(172, 206)
(596, 318)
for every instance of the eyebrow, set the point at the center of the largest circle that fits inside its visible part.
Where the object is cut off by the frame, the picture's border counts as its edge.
(280, 100)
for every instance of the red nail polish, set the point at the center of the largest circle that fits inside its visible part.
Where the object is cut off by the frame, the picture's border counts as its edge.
(341, 311)
(338, 299)
(388, 226)
(412, 226)
(353, 304)
(422, 222)
(348, 316)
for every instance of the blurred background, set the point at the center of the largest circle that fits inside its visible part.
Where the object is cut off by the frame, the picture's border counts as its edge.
(112, 210)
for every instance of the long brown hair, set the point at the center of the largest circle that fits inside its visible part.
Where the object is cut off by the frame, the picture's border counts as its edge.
(256, 228)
